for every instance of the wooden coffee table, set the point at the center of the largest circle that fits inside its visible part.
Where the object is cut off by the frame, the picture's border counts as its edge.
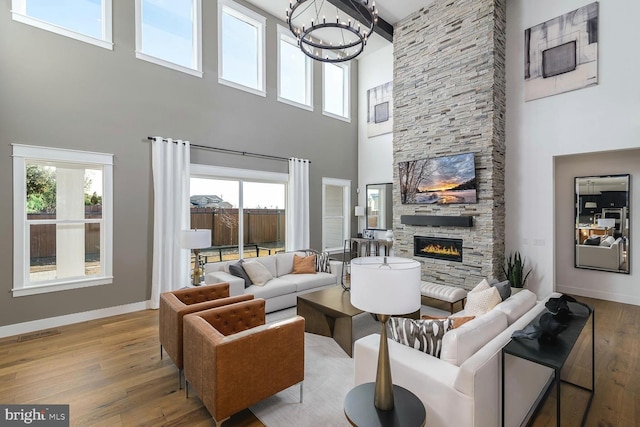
(329, 312)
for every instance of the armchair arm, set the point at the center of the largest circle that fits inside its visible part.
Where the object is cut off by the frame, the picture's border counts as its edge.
(232, 372)
(259, 362)
(171, 314)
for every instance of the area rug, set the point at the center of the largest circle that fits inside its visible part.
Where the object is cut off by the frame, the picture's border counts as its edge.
(328, 379)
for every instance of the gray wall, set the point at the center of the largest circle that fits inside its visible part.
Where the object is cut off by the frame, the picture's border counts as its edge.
(59, 92)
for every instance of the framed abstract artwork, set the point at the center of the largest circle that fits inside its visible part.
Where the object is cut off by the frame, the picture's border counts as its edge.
(561, 55)
(380, 110)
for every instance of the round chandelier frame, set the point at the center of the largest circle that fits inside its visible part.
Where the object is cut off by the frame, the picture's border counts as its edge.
(312, 45)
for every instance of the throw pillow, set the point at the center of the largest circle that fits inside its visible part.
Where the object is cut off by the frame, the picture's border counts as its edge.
(481, 286)
(322, 263)
(258, 273)
(457, 321)
(478, 303)
(423, 335)
(504, 288)
(304, 265)
(610, 240)
(592, 241)
(236, 270)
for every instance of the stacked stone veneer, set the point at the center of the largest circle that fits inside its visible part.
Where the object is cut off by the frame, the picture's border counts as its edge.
(449, 98)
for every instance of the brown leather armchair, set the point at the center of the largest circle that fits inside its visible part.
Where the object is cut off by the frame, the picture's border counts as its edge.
(175, 304)
(233, 360)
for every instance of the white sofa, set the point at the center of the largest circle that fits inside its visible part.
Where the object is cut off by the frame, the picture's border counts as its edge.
(281, 291)
(463, 387)
(609, 257)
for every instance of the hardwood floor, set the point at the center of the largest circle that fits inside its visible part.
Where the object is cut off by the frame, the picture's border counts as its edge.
(616, 401)
(110, 373)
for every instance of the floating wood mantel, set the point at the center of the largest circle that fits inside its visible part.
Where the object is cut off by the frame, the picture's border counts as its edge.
(437, 221)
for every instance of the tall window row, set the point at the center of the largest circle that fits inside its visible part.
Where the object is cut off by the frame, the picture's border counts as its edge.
(169, 33)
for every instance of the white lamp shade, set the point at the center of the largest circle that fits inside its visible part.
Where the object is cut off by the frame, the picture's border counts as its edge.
(392, 288)
(359, 210)
(195, 239)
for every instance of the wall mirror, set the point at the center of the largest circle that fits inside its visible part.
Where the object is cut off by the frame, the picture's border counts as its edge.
(379, 210)
(602, 223)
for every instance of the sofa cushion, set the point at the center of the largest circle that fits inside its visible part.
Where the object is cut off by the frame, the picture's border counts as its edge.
(517, 305)
(422, 334)
(269, 262)
(284, 262)
(480, 302)
(304, 265)
(237, 270)
(457, 321)
(460, 343)
(608, 241)
(210, 267)
(303, 282)
(274, 288)
(257, 272)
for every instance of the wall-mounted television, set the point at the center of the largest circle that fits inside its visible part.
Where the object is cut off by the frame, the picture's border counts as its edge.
(439, 180)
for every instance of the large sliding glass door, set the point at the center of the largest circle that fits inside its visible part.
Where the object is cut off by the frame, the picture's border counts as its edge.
(244, 209)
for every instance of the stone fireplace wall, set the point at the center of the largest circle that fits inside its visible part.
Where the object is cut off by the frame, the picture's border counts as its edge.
(449, 98)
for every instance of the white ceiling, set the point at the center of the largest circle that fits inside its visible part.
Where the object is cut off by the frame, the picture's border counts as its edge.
(391, 11)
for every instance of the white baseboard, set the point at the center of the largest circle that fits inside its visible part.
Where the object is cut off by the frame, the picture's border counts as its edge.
(54, 322)
(603, 295)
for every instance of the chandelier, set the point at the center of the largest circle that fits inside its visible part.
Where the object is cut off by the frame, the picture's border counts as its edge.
(328, 39)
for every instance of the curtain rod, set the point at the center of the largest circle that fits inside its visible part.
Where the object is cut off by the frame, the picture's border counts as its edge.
(237, 152)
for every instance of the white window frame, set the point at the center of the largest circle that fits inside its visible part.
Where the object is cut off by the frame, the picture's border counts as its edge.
(346, 205)
(196, 70)
(19, 14)
(253, 18)
(346, 69)
(21, 240)
(284, 36)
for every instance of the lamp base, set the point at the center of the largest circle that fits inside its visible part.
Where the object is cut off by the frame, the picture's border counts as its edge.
(360, 410)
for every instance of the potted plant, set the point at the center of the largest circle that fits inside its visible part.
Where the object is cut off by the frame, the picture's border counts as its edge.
(515, 271)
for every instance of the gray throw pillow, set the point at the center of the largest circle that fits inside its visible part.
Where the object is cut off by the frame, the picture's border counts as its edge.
(593, 240)
(504, 289)
(236, 270)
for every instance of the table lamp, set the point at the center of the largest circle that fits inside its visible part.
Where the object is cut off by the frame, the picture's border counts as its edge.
(385, 286)
(196, 240)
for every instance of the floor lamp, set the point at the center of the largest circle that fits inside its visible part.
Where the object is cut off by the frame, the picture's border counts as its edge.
(384, 286)
(196, 240)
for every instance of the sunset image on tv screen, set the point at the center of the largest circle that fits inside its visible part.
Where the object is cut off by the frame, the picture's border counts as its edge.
(439, 180)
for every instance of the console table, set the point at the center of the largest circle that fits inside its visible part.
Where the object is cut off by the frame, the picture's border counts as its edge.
(554, 355)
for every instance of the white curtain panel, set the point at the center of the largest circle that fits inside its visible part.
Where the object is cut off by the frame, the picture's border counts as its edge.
(297, 229)
(170, 164)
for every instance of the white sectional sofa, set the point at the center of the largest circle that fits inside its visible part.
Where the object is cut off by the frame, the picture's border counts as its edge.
(281, 291)
(463, 387)
(609, 257)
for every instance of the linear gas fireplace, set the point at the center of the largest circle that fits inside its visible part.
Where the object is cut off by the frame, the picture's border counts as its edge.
(438, 248)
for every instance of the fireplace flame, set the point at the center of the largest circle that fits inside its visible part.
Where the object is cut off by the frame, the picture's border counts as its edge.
(441, 250)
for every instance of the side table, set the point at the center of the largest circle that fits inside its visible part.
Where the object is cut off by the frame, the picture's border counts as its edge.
(554, 355)
(361, 412)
